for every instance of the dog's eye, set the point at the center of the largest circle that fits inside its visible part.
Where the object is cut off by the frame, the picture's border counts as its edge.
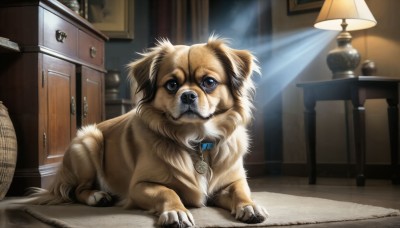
(209, 84)
(172, 85)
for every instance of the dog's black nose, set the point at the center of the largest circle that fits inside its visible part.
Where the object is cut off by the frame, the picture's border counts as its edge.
(188, 97)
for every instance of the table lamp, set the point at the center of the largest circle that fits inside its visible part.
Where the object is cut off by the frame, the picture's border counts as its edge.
(344, 16)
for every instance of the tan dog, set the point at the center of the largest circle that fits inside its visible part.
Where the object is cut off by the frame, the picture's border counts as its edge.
(182, 146)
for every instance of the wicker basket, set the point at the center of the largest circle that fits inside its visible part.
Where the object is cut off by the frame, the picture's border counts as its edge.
(8, 151)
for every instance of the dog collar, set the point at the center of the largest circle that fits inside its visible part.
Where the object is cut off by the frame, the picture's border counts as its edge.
(204, 146)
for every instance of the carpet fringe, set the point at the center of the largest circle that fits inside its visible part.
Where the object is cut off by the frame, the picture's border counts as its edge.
(49, 221)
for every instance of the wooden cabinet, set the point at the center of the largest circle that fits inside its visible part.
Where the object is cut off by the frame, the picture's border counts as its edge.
(52, 87)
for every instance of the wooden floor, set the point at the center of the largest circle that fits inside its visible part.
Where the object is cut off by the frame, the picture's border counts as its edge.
(376, 192)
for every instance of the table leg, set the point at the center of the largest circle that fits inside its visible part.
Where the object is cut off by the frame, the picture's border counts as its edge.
(310, 129)
(393, 117)
(359, 138)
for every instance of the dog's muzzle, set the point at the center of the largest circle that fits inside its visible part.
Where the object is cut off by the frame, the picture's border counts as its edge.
(188, 97)
(189, 103)
(188, 106)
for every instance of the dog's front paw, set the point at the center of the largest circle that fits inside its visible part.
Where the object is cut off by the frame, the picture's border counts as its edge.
(99, 199)
(176, 219)
(251, 214)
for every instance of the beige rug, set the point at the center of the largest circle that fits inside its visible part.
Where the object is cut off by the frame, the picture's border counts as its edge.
(283, 209)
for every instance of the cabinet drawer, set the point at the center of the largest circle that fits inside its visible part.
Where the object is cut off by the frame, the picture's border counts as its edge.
(59, 34)
(90, 49)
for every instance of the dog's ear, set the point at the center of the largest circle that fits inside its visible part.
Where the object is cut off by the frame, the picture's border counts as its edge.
(238, 64)
(143, 72)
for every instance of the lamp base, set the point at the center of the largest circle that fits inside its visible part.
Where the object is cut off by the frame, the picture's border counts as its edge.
(347, 74)
(344, 59)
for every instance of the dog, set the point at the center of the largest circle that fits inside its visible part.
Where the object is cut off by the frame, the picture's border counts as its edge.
(182, 146)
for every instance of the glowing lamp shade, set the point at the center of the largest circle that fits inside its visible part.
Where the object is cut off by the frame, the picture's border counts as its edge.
(356, 13)
(344, 16)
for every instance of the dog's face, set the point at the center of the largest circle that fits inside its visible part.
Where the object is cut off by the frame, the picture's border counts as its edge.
(193, 84)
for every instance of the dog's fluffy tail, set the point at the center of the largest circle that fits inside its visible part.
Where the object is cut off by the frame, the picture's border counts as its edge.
(59, 192)
(86, 146)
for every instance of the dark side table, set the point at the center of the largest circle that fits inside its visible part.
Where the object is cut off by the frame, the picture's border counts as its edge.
(357, 90)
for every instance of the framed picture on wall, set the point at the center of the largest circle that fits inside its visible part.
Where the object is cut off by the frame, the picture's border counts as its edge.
(303, 6)
(113, 17)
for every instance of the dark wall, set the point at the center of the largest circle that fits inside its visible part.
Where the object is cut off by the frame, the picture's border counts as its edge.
(120, 52)
(236, 20)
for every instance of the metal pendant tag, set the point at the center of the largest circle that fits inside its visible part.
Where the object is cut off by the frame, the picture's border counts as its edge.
(201, 167)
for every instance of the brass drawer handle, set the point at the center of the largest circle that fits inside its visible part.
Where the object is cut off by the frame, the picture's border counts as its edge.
(44, 141)
(61, 36)
(93, 52)
(85, 107)
(73, 106)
